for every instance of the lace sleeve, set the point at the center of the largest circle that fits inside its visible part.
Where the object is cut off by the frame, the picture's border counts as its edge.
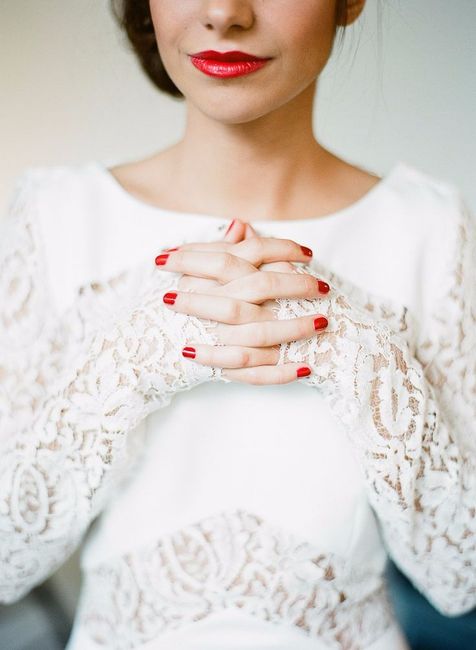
(71, 389)
(407, 401)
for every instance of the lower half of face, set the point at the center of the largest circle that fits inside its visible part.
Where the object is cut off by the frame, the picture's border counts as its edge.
(295, 35)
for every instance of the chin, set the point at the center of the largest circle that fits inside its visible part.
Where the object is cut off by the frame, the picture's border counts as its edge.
(233, 106)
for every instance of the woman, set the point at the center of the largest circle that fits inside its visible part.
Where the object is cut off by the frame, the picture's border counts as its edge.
(253, 512)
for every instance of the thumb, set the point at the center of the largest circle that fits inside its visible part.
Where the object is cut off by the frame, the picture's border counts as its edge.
(235, 232)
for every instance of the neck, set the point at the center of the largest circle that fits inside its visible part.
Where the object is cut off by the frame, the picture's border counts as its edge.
(254, 170)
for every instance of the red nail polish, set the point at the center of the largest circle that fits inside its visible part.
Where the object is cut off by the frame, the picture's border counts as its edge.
(323, 286)
(189, 352)
(307, 251)
(320, 322)
(230, 227)
(169, 298)
(171, 249)
(161, 259)
(303, 372)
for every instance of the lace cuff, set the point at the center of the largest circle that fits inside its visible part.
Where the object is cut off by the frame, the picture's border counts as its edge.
(411, 425)
(72, 390)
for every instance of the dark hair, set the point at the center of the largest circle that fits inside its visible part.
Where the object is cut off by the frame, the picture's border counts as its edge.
(133, 16)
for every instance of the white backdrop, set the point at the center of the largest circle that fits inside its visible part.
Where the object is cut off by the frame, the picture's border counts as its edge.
(70, 91)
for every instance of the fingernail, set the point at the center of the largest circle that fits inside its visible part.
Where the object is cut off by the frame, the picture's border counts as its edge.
(189, 352)
(169, 298)
(323, 286)
(303, 372)
(161, 259)
(307, 251)
(320, 322)
(230, 227)
(171, 249)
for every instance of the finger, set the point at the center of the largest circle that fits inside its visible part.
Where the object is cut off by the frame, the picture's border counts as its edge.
(271, 332)
(263, 375)
(235, 231)
(268, 285)
(260, 250)
(221, 266)
(257, 250)
(203, 285)
(231, 356)
(200, 285)
(218, 308)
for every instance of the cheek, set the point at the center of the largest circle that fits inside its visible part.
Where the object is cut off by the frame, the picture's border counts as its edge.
(171, 20)
(308, 36)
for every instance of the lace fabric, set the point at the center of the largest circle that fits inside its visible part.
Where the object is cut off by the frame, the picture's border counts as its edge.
(73, 386)
(233, 560)
(407, 401)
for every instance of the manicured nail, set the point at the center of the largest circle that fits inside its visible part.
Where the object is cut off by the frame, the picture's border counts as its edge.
(188, 352)
(171, 249)
(307, 251)
(323, 286)
(161, 259)
(230, 227)
(303, 372)
(169, 298)
(320, 322)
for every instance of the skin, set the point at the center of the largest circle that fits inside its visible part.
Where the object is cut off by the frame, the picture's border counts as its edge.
(265, 163)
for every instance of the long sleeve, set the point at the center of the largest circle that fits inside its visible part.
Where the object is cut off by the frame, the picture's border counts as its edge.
(72, 388)
(405, 394)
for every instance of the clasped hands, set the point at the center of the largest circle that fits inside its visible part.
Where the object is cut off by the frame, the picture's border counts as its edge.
(235, 282)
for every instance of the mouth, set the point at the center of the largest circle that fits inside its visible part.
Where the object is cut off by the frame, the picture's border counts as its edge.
(227, 64)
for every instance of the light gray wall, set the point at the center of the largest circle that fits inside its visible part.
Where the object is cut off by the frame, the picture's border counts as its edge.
(71, 92)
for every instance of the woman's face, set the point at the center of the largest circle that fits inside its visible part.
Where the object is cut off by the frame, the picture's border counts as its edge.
(297, 34)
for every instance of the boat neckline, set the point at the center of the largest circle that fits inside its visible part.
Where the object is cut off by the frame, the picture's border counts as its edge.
(369, 196)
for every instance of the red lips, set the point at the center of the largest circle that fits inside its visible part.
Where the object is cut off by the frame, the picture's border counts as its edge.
(232, 56)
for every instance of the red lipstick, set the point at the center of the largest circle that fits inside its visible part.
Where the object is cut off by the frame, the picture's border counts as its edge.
(227, 64)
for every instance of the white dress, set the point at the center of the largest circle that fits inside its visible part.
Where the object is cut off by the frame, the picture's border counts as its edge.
(235, 516)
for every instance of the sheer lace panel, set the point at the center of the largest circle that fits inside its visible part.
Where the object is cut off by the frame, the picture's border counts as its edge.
(407, 400)
(73, 386)
(232, 560)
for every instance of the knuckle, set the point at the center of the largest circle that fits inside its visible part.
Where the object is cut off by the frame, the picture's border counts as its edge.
(245, 358)
(256, 247)
(303, 328)
(272, 283)
(281, 375)
(261, 335)
(226, 262)
(255, 376)
(233, 311)
(310, 284)
(265, 283)
(291, 248)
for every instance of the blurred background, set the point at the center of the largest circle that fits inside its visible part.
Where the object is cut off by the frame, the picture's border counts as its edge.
(402, 87)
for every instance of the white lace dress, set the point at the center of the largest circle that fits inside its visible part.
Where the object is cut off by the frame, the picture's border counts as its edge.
(239, 516)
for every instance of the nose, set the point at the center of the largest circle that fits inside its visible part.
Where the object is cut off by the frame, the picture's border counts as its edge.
(221, 15)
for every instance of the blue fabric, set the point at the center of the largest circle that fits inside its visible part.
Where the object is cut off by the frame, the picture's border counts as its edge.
(424, 626)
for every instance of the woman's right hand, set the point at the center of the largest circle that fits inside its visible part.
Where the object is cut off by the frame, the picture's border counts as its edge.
(248, 332)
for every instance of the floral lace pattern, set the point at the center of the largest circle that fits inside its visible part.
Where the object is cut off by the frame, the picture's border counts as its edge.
(232, 560)
(72, 387)
(407, 401)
